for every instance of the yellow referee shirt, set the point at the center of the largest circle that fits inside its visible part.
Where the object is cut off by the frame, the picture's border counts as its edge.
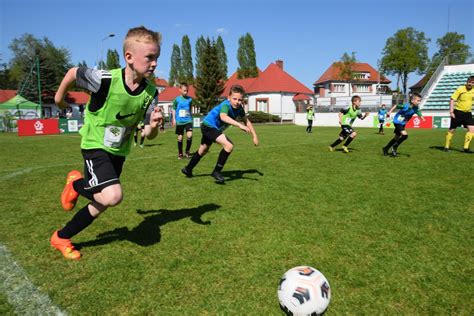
(463, 99)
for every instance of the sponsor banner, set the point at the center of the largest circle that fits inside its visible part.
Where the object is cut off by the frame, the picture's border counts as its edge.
(67, 126)
(197, 122)
(416, 122)
(38, 127)
(387, 124)
(441, 121)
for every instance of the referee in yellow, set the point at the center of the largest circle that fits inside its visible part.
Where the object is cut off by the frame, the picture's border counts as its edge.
(461, 114)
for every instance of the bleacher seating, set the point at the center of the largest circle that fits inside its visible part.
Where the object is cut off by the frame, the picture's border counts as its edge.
(441, 94)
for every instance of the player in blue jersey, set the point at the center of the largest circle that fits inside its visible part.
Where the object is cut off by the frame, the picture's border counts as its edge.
(182, 119)
(381, 116)
(213, 125)
(405, 113)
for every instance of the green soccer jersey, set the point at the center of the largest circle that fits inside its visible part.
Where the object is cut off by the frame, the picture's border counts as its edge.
(111, 127)
(349, 115)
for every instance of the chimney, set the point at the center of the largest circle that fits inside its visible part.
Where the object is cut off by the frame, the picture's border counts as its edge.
(279, 63)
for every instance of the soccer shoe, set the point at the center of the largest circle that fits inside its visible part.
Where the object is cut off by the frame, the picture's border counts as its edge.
(141, 146)
(180, 156)
(69, 195)
(394, 153)
(65, 246)
(445, 149)
(188, 173)
(331, 148)
(385, 151)
(218, 176)
(345, 149)
(467, 151)
(187, 155)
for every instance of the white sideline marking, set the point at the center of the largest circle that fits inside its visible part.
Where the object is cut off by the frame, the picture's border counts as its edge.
(21, 293)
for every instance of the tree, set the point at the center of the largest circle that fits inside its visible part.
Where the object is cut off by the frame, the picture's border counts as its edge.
(452, 46)
(200, 47)
(346, 66)
(186, 61)
(82, 64)
(222, 57)
(31, 54)
(209, 85)
(175, 70)
(247, 58)
(113, 59)
(404, 53)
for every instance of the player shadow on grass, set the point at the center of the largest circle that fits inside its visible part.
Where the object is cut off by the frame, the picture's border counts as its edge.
(148, 232)
(441, 148)
(231, 175)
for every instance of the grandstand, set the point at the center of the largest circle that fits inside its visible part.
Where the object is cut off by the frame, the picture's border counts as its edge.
(442, 84)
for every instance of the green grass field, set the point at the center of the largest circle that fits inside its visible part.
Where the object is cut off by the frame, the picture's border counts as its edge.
(392, 235)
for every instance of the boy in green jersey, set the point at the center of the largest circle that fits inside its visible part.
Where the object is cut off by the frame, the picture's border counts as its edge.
(119, 101)
(346, 119)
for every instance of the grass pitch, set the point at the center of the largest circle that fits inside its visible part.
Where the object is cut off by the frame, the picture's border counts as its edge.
(392, 235)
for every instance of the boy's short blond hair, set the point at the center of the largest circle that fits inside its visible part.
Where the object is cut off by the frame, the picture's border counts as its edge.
(141, 35)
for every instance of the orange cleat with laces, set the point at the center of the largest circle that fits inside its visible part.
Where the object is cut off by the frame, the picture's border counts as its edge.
(69, 195)
(65, 246)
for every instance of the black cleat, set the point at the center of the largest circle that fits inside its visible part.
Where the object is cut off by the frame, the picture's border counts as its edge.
(467, 151)
(188, 173)
(218, 176)
(445, 149)
(385, 151)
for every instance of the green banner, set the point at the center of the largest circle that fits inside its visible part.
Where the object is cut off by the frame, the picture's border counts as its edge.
(67, 126)
(388, 122)
(441, 121)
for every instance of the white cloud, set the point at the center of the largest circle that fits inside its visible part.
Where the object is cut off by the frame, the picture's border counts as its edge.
(222, 30)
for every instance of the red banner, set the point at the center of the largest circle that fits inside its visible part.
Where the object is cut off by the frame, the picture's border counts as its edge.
(38, 127)
(416, 122)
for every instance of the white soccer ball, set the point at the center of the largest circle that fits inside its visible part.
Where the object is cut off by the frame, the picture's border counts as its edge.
(304, 291)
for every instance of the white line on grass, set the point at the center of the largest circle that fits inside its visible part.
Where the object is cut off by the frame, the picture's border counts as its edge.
(21, 293)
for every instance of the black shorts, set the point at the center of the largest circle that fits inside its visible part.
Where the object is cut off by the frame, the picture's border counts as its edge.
(181, 128)
(101, 169)
(461, 118)
(209, 135)
(398, 129)
(346, 131)
(381, 121)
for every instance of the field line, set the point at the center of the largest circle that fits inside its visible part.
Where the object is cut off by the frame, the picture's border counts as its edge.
(21, 293)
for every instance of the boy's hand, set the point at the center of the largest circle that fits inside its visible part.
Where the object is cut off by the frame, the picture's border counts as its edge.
(244, 128)
(255, 140)
(156, 117)
(62, 104)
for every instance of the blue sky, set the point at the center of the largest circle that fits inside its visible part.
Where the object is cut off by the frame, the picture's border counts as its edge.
(307, 35)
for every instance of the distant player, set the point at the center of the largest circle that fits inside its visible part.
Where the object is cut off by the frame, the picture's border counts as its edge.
(213, 126)
(405, 113)
(461, 114)
(346, 119)
(139, 130)
(183, 120)
(309, 117)
(381, 116)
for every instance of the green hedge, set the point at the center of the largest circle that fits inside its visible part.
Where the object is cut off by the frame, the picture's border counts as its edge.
(262, 117)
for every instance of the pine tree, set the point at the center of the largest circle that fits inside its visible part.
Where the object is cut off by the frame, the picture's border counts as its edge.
(209, 85)
(200, 46)
(175, 70)
(222, 57)
(186, 61)
(113, 59)
(247, 58)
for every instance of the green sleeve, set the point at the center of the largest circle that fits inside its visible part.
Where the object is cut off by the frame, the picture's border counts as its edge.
(400, 106)
(225, 109)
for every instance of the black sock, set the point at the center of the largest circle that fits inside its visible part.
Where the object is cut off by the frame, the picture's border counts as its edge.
(381, 128)
(79, 186)
(142, 139)
(189, 141)
(135, 137)
(79, 222)
(180, 147)
(194, 161)
(400, 140)
(223, 155)
(390, 143)
(337, 142)
(348, 141)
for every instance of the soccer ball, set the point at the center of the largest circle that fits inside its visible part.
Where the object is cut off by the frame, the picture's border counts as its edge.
(304, 291)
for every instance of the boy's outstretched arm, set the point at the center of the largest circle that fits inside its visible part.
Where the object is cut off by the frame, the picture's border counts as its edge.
(66, 84)
(156, 117)
(252, 131)
(227, 119)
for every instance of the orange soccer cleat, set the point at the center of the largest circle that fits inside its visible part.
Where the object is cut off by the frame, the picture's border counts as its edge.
(69, 195)
(65, 246)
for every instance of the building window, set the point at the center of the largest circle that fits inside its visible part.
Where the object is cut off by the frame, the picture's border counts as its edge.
(262, 105)
(362, 87)
(361, 76)
(338, 88)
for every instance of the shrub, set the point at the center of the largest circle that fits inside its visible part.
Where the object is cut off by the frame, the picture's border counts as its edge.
(262, 117)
